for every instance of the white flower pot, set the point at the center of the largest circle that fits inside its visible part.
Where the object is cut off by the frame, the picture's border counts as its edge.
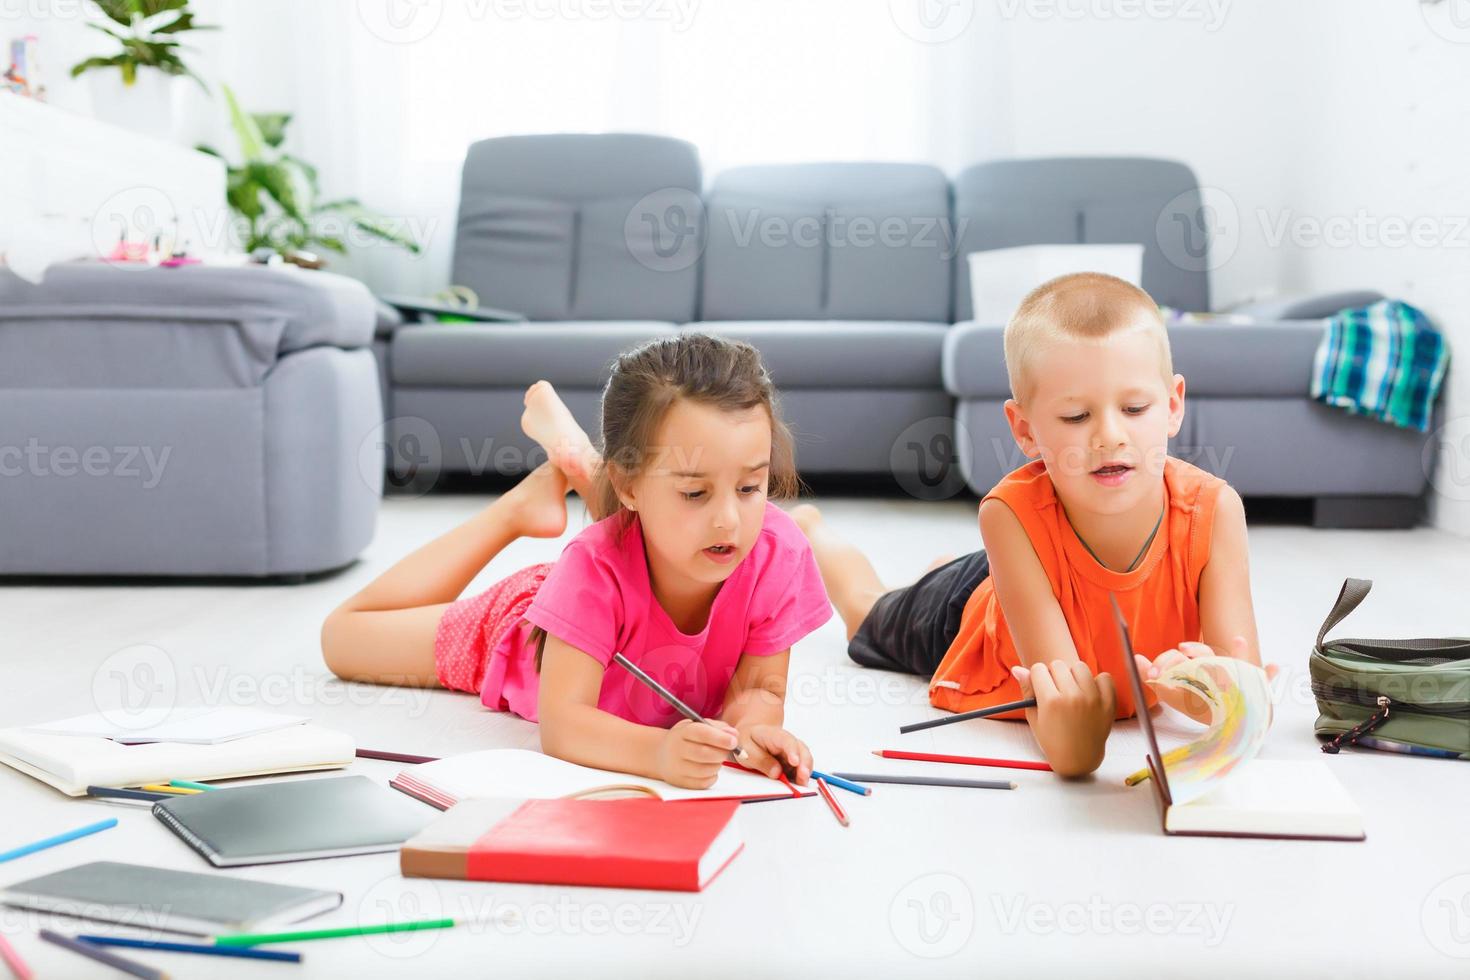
(148, 106)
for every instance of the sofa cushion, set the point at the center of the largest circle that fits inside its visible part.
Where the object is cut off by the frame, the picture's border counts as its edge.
(457, 355)
(858, 241)
(89, 324)
(1257, 360)
(841, 353)
(1155, 203)
(574, 226)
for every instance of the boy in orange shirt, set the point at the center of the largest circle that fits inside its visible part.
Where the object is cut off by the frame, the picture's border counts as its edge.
(1102, 508)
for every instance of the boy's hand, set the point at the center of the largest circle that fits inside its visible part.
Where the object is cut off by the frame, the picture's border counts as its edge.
(690, 754)
(773, 749)
(1074, 713)
(1185, 701)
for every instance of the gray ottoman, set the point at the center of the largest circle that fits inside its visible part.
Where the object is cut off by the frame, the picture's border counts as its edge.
(191, 421)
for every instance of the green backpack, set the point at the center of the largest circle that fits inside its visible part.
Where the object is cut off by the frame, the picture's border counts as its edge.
(1408, 696)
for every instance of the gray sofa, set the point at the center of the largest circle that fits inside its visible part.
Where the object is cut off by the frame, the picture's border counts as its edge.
(191, 421)
(851, 278)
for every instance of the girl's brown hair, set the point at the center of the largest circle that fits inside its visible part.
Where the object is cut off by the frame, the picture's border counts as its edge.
(646, 382)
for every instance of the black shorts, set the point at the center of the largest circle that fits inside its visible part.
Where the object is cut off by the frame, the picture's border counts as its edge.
(910, 629)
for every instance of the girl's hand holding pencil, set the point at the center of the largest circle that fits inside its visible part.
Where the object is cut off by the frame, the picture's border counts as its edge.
(691, 753)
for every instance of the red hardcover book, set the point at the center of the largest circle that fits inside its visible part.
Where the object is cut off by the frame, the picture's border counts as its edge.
(626, 843)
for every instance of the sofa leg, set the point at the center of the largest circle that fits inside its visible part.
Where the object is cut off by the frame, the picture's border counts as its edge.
(1367, 512)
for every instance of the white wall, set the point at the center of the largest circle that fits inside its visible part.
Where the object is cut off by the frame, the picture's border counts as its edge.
(1322, 128)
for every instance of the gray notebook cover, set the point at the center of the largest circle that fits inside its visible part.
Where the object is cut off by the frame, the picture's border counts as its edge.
(181, 901)
(293, 821)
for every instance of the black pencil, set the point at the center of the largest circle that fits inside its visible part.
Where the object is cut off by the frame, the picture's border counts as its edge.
(737, 754)
(103, 956)
(859, 777)
(112, 792)
(395, 756)
(998, 709)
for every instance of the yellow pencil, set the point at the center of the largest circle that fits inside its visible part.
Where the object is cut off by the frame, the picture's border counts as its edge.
(175, 790)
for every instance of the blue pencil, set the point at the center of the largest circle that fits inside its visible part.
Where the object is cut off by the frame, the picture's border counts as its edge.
(243, 952)
(840, 783)
(41, 845)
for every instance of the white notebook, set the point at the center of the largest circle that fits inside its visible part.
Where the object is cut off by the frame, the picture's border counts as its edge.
(523, 774)
(71, 763)
(199, 726)
(1272, 798)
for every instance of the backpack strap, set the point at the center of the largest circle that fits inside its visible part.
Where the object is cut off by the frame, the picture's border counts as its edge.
(1354, 591)
(1425, 649)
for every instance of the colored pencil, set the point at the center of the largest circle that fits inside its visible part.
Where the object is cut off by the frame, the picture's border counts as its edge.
(998, 709)
(785, 781)
(187, 784)
(170, 789)
(113, 793)
(831, 802)
(69, 835)
(737, 754)
(103, 956)
(14, 962)
(243, 952)
(394, 756)
(927, 781)
(261, 938)
(962, 760)
(843, 784)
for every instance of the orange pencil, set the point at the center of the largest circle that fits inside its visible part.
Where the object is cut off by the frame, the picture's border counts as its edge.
(831, 802)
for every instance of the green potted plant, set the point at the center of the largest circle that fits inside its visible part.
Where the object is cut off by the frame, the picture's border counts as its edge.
(139, 93)
(275, 194)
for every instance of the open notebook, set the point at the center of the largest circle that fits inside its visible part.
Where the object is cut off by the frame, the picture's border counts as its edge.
(71, 763)
(1215, 786)
(522, 774)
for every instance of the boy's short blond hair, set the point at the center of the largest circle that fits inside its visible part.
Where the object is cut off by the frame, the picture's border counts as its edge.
(1082, 306)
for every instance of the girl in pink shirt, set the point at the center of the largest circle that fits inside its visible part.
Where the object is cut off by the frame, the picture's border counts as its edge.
(691, 573)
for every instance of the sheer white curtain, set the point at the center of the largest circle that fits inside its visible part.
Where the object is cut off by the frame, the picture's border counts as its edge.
(389, 93)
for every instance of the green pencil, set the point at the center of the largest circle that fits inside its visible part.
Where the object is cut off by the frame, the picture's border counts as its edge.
(186, 784)
(261, 938)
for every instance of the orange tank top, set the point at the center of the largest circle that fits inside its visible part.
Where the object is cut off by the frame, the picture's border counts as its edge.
(1159, 597)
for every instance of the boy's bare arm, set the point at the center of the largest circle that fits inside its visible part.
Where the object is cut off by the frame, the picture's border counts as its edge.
(1225, 608)
(1075, 710)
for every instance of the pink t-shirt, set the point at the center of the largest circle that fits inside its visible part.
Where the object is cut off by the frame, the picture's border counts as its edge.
(598, 598)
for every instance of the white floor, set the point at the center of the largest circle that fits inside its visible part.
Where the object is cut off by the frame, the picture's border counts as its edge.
(1051, 877)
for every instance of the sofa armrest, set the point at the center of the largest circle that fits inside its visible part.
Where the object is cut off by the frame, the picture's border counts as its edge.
(278, 310)
(1307, 306)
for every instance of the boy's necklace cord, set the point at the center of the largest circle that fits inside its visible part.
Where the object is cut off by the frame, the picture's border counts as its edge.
(1141, 551)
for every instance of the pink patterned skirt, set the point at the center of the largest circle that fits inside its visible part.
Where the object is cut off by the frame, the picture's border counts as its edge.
(471, 629)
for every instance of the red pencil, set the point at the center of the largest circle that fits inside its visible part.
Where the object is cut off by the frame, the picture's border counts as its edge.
(963, 760)
(787, 783)
(831, 801)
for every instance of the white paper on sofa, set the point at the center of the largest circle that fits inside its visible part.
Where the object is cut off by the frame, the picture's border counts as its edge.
(1001, 277)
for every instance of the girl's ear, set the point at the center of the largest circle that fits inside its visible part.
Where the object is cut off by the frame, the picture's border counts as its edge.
(1021, 429)
(625, 488)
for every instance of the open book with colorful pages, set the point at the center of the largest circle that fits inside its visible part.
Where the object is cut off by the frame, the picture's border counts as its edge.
(527, 775)
(1215, 785)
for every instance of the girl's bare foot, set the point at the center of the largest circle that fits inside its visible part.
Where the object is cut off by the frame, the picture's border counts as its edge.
(941, 560)
(806, 516)
(549, 422)
(538, 504)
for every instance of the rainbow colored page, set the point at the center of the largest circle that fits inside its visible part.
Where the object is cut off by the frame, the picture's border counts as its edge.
(1239, 697)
